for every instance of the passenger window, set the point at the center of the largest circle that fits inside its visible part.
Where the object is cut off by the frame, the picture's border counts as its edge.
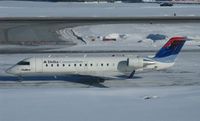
(90, 64)
(51, 65)
(57, 65)
(85, 64)
(102, 64)
(46, 65)
(107, 64)
(63, 65)
(69, 65)
(74, 64)
(80, 64)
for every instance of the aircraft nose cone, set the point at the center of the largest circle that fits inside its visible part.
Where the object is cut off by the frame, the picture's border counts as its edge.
(9, 71)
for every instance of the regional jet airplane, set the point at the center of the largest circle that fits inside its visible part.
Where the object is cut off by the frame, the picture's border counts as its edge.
(100, 66)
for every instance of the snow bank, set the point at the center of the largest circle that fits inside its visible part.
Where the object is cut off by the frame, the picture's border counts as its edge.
(136, 36)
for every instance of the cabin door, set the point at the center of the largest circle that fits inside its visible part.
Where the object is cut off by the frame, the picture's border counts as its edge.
(38, 65)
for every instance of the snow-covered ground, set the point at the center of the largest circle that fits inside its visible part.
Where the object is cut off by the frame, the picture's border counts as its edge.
(127, 104)
(42, 9)
(171, 95)
(135, 36)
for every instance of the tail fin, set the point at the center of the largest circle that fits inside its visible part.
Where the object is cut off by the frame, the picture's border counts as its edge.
(170, 50)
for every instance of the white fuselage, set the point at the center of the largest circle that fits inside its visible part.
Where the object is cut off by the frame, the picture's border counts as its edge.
(67, 65)
(83, 65)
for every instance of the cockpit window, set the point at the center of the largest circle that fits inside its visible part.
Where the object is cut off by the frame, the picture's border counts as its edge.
(23, 63)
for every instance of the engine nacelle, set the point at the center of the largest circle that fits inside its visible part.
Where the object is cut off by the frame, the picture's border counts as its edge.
(135, 62)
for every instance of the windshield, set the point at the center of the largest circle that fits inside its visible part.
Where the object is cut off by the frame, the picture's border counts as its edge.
(23, 63)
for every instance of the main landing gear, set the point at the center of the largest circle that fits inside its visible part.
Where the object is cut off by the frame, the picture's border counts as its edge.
(132, 74)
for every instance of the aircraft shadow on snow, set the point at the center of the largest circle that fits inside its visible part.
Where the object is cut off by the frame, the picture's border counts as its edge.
(90, 81)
